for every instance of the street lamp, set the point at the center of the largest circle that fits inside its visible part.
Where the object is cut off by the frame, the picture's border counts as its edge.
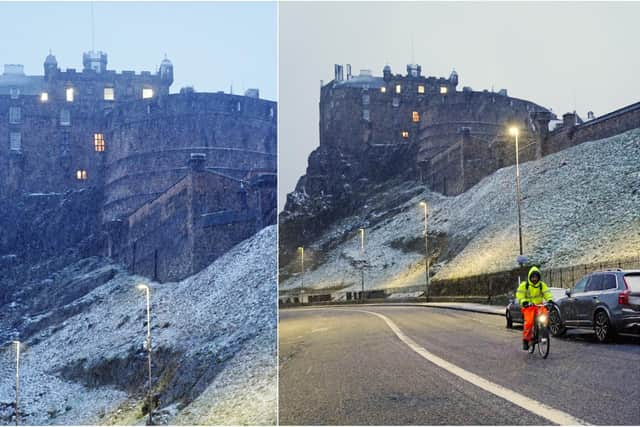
(362, 265)
(145, 287)
(514, 131)
(301, 250)
(17, 343)
(426, 251)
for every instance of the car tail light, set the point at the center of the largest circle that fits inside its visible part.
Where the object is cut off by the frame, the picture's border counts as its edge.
(623, 297)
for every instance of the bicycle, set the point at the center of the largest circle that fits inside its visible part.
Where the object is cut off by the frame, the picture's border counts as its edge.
(541, 336)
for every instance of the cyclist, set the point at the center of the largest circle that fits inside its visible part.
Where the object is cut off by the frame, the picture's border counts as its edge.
(533, 291)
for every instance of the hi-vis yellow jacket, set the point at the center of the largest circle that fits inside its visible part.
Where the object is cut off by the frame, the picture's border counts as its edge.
(533, 293)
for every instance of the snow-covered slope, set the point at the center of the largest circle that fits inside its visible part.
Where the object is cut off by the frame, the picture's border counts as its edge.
(579, 205)
(210, 333)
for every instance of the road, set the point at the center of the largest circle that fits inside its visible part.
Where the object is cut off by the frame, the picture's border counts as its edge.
(350, 366)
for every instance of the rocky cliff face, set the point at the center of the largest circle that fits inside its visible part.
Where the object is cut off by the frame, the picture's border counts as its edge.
(83, 326)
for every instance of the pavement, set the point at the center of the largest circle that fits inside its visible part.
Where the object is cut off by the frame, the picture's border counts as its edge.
(403, 364)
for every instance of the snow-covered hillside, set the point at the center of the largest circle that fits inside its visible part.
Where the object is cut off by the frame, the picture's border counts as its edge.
(214, 342)
(579, 205)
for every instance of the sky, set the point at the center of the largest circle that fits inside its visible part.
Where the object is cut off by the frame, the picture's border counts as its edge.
(564, 56)
(213, 46)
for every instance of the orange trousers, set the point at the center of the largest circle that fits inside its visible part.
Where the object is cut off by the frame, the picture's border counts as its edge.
(529, 315)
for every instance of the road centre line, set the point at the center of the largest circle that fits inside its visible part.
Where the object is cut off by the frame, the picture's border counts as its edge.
(542, 410)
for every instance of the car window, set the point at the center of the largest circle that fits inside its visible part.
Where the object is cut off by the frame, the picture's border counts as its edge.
(582, 283)
(609, 282)
(633, 282)
(595, 284)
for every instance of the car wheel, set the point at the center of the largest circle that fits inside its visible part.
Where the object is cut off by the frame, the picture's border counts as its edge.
(509, 320)
(602, 326)
(555, 324)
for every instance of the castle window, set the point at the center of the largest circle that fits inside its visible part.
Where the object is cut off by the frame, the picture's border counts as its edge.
(366, 115)
(65, 118)
(44, 97)
(239, 107)
(98, 141)
(81, 175)
(443, 90)
(14, 92)
(109, 94)
(383, 89)
(395, 102)
(14, 115)
(405, 134)
(69, 94)
(365, 99)
(15, 141)
(420, 88)
(415, 116)
(147, 93)
(398, 88)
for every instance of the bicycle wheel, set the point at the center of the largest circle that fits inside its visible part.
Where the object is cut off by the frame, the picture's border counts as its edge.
(544, 342)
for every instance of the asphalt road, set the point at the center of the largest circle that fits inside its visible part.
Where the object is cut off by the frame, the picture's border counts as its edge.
(343, 366)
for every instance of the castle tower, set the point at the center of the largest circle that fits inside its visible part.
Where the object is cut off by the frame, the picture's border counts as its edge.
(94, 60)
(453, 78)
(166, 71)
(386, 73)
(50, 66)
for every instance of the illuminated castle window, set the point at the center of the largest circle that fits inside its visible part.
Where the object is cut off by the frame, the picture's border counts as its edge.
(14, 115)
(65, 118)
(98, 141)
(420, 88)
(44, 97)
(415, 116)
(398, 88)
(405, 134)
(443, 90)
(109, 94)
(15, 141)
(69, 94)
(147, 93)
(81, 175)
(383, 89)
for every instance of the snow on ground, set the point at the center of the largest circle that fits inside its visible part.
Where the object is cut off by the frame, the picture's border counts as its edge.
(229, 305)
(579, 205)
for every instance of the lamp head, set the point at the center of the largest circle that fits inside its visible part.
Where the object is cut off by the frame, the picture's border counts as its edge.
(514, 131)
(142, 287)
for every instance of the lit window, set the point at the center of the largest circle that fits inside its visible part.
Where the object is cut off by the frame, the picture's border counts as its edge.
(109, 94)
(69, 94)
(98, 141)
(147, 93)
(44, 97)
(383, 89)
(366, 115)
(398, 88)
(81, 175)
(415, 116)
(405, 134)
(14, 115)
(420, 88)
(65, 118)
(443, 90)
(15, 141)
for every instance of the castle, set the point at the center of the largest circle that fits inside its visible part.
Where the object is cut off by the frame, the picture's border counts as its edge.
(182, 177)
(426, 129)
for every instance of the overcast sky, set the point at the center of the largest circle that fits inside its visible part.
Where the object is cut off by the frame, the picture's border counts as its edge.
(211, 45)
(564, 56)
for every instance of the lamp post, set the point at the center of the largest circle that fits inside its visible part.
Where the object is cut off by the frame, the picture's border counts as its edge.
(17, 343)
(362, 264)
(514, 131)
(426, 251)
(301, 250)
(145, 287)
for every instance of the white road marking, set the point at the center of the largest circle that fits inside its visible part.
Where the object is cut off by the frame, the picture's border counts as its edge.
(542, 410)
(313, 331)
